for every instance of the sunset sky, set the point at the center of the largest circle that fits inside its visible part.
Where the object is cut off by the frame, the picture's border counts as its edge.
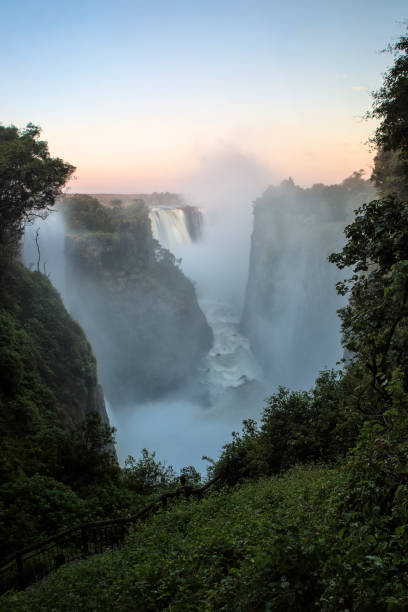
(139, 95)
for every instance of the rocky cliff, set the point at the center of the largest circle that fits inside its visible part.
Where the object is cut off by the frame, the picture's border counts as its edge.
(138, 309)
(291, 301)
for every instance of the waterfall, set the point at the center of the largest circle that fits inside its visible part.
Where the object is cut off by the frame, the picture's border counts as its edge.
(173, 227)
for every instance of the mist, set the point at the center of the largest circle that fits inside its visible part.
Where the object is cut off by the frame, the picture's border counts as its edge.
(224, 186)
(271, 307)
(49, 257)
(290, 314)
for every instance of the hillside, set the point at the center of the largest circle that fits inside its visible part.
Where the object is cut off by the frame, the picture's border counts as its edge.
(48, 369)
(262, 546)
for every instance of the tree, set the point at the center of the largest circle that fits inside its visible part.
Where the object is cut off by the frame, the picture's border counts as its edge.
(116, 204)
(391, 137)
(375, 320)
(86, 453)
(390, 173)
(30, 180)
(391, 102)
(147, 475)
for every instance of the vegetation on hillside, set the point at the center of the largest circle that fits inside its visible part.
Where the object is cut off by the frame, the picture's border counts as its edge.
(256, 547)
(57, 461)
(53, 438)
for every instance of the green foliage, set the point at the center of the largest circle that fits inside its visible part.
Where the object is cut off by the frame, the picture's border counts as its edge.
(83, 212)
(374, 322)
(50, 433)
(192, 476)
(86, 453)
(80, 481)
(371, 570)
(390, 174)
(34, 508)
(391, 137)
(147, 475)
(51, 372)
(263, 546)
(30, 180)
(390, 102)
(296, 427)
(302, 541)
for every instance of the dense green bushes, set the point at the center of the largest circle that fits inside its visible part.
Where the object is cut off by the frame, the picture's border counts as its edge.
(258, 547)
(296, 427)
(300, 541)
(48, 370)
(54, 448)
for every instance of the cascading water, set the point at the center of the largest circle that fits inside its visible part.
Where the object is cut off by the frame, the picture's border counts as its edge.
(230, 362)
(173, 227)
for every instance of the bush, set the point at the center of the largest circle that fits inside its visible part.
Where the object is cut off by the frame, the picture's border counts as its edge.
(261, 547)
(34, 508)
(296, 427)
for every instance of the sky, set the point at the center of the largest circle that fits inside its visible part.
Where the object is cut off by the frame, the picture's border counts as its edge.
(139, 95)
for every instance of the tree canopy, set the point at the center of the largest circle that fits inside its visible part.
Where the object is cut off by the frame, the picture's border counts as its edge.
(374, 322)
(390, 105)
(390, 102)
(30, 179)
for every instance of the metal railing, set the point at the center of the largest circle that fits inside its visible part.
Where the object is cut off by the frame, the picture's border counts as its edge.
(32, 563)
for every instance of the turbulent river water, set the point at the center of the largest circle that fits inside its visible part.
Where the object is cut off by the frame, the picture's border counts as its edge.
(230, 362)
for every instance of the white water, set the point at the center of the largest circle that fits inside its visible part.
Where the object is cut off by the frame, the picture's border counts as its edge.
(230, 362)
(169, 227)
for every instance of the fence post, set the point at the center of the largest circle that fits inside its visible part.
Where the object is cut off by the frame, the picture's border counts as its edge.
(20, 579)
(84, 538)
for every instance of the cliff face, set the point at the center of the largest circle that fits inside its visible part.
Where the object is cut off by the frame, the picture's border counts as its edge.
(291, 301)
(138, 309)
(48, 371)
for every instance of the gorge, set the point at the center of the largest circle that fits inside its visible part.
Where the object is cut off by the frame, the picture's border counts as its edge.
(182, 365)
